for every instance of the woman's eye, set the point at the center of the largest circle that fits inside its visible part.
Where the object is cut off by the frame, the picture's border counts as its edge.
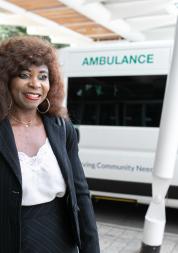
(43, 77)
(23, 75)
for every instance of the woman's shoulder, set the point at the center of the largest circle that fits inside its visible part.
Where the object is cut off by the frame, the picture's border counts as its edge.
(65, 122)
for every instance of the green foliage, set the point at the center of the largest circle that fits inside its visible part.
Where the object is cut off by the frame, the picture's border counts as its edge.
(9, 31)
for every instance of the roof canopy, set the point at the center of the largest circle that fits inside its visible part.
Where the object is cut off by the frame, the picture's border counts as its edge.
(88, 21)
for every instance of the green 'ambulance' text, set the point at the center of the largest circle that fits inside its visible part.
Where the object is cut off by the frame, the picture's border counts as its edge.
(116, 60)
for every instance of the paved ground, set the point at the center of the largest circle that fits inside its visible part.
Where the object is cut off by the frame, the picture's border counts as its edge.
(123, 239)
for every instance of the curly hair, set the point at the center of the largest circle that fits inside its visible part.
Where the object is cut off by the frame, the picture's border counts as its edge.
(19, 53)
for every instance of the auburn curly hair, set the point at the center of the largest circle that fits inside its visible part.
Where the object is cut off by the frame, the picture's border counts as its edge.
(19, 53)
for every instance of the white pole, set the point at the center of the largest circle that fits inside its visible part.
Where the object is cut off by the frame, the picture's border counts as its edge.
(164, 161)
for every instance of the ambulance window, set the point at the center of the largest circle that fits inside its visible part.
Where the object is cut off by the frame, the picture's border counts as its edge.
(116, 101)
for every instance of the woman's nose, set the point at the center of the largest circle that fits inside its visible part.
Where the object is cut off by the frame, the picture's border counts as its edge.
(35, 83)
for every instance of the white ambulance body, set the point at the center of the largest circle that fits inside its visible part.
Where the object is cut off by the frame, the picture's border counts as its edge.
(114, 97)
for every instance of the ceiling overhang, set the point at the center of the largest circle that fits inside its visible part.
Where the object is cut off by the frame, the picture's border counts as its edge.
(63, 15)
(88, 21)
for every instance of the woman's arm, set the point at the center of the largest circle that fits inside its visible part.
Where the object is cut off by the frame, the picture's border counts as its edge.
(88, 229)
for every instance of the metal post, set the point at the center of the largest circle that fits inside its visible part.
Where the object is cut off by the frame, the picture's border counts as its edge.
(165, 160)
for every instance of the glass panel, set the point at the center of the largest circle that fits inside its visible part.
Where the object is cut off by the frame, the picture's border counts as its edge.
(116, 100)
(108, 114)
(90, 115)
(132, 115)
(153, 114)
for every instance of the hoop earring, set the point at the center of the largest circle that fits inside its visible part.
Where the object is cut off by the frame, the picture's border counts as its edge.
(43, 112)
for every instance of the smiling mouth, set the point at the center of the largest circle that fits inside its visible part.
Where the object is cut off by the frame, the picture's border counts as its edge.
(32, 96)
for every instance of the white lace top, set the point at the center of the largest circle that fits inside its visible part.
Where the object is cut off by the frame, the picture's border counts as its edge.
(42, 180)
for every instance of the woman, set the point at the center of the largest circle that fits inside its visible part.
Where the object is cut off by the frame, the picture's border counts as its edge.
(45, 205)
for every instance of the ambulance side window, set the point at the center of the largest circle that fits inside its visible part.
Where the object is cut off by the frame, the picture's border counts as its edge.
(116, 101)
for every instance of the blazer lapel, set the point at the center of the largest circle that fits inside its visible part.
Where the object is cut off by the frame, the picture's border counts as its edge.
(8, 148)
(55, 133)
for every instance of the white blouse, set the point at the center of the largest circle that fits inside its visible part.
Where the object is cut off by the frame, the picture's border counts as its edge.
(42, 179)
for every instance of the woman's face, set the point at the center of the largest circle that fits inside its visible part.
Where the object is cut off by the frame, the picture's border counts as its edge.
(30, 87)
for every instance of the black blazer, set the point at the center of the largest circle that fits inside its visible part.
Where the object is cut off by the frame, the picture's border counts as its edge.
(78, 199)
